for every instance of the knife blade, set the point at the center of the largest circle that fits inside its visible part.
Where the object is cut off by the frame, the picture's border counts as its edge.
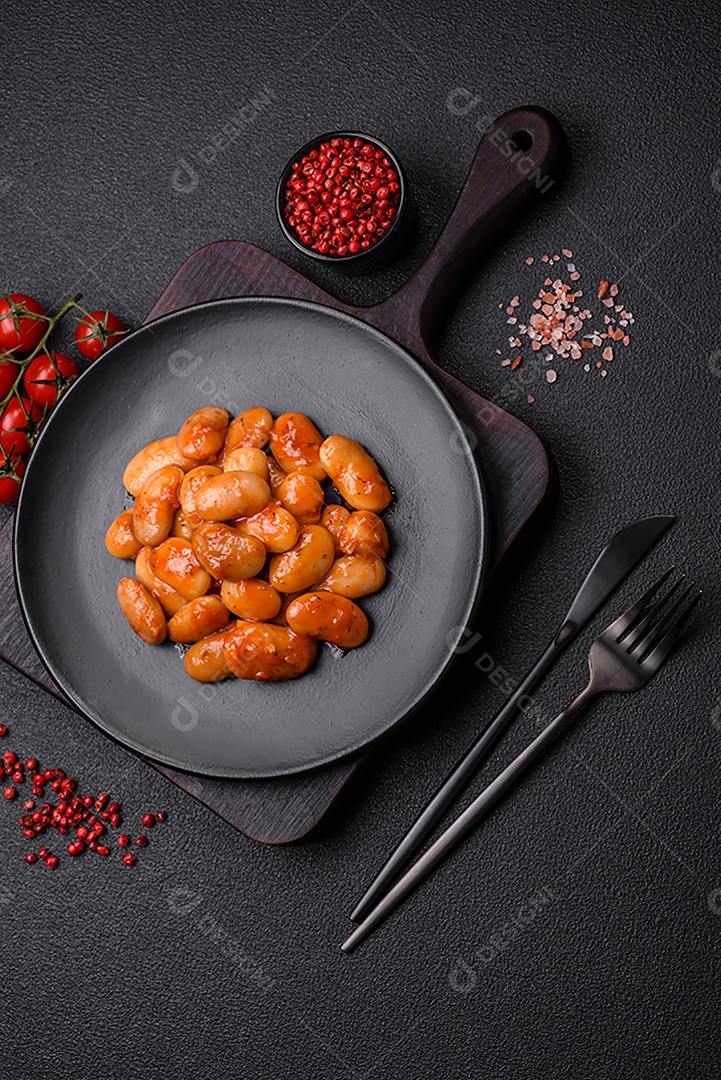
(619, 557)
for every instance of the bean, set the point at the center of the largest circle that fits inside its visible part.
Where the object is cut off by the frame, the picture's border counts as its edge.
(328, 617)
(274, 526)
(276, 476)
(295, 442)
(232, 495)
(253, 599)
(226, 554)
(334, 518)
(205, 661)
(170, 599)
(198, 619)
(305, 564)
(152, 457)
(176, 563)
(143, 612)
(355, 576)
(286, 599)
(250, 428)
(247, 459)
(203, 433)
(181, 527)
(265, 652)
(355, 474)
(155, 506)
(302, 496)
(192, 482)
(365, 534)
(120, 539)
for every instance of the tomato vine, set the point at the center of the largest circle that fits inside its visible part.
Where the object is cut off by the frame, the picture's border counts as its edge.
(26, 404)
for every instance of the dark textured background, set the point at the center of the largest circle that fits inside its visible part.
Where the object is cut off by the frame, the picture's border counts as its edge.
(114, 972)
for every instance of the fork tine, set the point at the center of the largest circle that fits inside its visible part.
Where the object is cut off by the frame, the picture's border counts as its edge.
(660, 651)
(624, 622)
(651, 619)
(648, 636)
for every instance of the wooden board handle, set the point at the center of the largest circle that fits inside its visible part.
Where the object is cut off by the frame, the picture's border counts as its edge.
(519, 158)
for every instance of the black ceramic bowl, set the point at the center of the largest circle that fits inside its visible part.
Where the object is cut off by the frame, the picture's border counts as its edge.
(356, 256)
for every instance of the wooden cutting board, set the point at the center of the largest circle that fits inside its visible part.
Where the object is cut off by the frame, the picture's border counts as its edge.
(514, 462)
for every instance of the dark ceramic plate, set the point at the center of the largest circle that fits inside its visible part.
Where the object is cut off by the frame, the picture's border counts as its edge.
(283, 354)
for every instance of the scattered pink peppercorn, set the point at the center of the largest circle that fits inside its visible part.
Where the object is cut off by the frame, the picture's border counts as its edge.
(69, 812)
(3, 730)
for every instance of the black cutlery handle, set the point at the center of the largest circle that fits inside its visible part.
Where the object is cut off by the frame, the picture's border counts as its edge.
(456, 781)
(470, 817)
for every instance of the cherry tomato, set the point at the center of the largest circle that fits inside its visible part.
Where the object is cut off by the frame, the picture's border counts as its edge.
(16, 424)
(11, 471)
(8, 374)
(96, 332)
(45, 373)
(22, 322)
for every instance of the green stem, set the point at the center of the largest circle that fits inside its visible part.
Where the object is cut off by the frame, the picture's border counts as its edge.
(39, 348)
(23, 366)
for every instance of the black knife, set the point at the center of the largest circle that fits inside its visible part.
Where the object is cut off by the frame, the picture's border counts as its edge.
(619, 557)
